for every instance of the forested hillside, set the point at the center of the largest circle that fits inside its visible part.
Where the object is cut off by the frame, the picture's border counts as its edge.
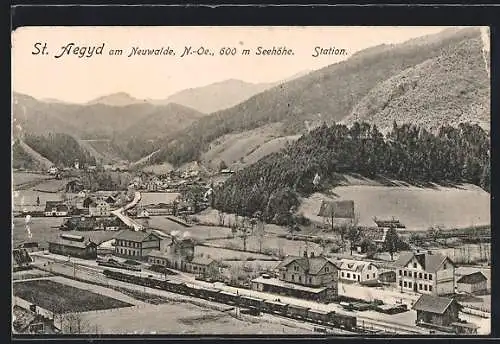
(59, 148)
(452, 88)
(326, 95)
(408, 153)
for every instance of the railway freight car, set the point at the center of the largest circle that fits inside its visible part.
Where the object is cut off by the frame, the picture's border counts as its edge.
(252, 303)
(275, 307)
(228, 298)
(321, 317)
(298, 312)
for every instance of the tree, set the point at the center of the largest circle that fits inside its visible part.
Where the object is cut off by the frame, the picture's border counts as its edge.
(222, 165)
(353, 235)
(391, 241)
(415, 239)
(368, 247)
(38, 201)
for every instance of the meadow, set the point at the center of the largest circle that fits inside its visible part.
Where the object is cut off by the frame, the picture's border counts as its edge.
(417, 208)
(19, 178)
(148, 198)
(61, 298)
(44, 229)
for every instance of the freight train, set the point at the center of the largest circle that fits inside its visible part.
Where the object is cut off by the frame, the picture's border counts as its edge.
(254, 305)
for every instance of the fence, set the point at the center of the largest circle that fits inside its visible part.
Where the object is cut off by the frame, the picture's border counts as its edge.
(477, 311)
(17, 301)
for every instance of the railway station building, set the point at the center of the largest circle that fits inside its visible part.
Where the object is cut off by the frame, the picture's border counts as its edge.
(136, 244)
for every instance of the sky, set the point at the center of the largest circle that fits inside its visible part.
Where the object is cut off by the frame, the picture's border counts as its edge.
(77, 79)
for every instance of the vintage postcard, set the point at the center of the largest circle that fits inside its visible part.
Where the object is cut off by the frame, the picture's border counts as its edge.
(251, 180)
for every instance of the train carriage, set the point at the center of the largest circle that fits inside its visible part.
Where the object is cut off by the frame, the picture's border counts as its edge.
(320, 316)
(343, 321)
(298, 312)
(275, 307)
(228, 298)
(175, 286)
(211, 294)
(252, 302)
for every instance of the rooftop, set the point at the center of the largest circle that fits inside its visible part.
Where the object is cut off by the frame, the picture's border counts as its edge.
(472, 278)
(353, 265)
(71, 243)
(135, 236)
(430, 262)
(432, 304)
(312, 265)
(337, 209)
(199, 260)
(279, 283)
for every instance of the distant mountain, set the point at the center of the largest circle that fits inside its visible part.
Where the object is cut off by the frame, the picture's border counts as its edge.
(326, 95)
(451, 88)
(216, 96)
(117, 99)
(105, 131)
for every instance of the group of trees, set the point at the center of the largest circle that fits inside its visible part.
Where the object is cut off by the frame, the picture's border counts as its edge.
(416, 155)
(21, 159)
(61, 149)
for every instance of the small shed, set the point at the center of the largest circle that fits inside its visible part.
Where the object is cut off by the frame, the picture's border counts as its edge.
(436, 310)
(472, 283)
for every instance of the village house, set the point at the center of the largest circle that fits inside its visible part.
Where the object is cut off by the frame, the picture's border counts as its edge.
(73, 245)
(435, 311)
(100, 208)
(110, 200)
(357, 271)
(472, 283)
(204, 266)
(308, 277)
(425, 273)
(56, 208)
(26, 321)
(330, 210)
(136, 244)
(53, 170)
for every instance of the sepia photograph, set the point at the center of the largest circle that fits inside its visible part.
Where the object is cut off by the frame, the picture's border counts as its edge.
(238, 180)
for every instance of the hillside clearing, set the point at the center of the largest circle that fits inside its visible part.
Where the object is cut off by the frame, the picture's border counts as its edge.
(233, 147)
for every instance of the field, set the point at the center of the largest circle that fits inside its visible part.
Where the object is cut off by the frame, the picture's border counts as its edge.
(198, 232)
(26, 199)
(211, 216)
(158, 169)
(53, 185)
(61, 298)
(148, 198)
(417, 208)
(20, 178)
(45, 229)
(271, 244)
(225, 254)
(181, 318)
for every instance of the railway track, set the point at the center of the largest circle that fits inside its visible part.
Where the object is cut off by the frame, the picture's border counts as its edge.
(365, 324)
